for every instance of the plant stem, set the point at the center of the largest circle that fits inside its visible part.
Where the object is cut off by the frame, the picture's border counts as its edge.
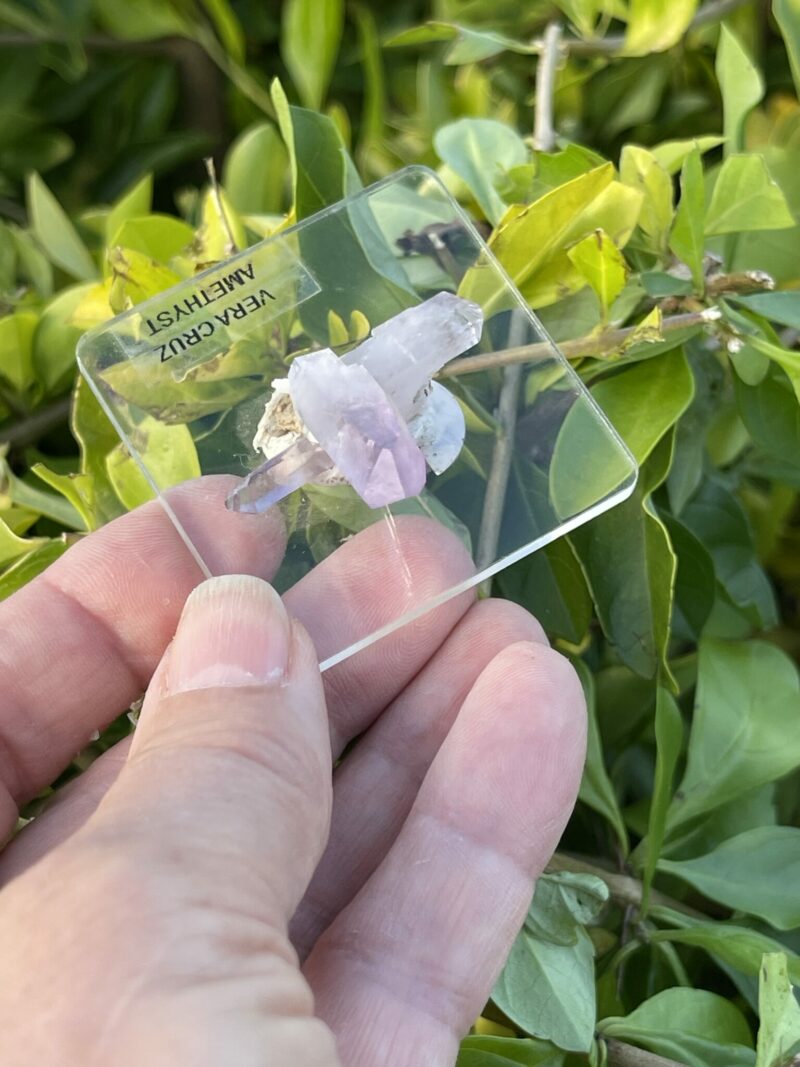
(711, 12)
(624, 890)
(544, 132)
(622, 1055)
(497, 482)
(33, 426)
(601, 344)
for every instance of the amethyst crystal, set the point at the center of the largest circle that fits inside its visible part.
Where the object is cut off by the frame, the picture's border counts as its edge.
(372, 418)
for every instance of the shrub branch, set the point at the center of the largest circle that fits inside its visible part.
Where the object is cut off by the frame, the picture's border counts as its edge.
(595, 344)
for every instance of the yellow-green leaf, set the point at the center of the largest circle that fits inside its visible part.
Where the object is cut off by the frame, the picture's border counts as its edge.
(655, 25)
(169, 454)
(16, 348)
(134, 203)
(603, 266)
(779, 1013)
(12, 546)
(641, 170)
(527, 237)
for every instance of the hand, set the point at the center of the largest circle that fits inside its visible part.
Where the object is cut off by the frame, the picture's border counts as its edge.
(154, 914)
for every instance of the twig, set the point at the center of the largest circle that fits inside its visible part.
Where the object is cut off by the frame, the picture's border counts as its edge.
(622, 1055)
(497, 482)
(508, 402)
(544, 132)
(601, 344)
(593, 46)
(33, 426)
(230, 243)
(623, 889)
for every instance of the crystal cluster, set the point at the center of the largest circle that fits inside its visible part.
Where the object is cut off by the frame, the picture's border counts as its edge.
(373, 418)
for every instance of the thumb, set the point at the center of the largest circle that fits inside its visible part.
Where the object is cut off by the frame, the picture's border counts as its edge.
(229, 773)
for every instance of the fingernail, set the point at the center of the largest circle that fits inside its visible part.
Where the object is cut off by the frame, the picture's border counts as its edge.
(234, 631)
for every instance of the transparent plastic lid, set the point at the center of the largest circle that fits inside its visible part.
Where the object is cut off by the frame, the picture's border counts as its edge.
(522, 451)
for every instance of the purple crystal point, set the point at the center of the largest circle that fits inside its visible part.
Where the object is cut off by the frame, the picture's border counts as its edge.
(403, 354)
(298, 464)
(373, 417)
(356, 423)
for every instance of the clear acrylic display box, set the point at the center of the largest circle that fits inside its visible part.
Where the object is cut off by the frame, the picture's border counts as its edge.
(539, 457)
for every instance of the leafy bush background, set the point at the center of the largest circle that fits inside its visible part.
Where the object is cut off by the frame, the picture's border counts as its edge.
(670, 922)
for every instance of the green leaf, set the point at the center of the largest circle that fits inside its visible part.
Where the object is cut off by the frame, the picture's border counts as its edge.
(787, 15)
(741, 84)
(77, 490)
(672, 154)
(481, 152)
(16, 491)
(601, 263)
(348, 244)
(34, 265)
(778, 307)
(771, 414)
(738, 946)
(547, 986)
(431, 33)
(311, 33)
(228, 28)
(754, 872)
(717, 519)
(644, 401)
(16, 349)
(596, 788)
(56, 234)
(656, 25)
(583, 13)
(669, 738)
(142, 21)
(168, 453)
(134, 203)
(785, 358)
(484, 1051)
(254, 173)
(640, 170)
(743, 732)
(745, 198)
(630, 566)
(755, 807)
(687, 239)
(695, 582)
(692, 1026)
(551, 585)
(779, 1011)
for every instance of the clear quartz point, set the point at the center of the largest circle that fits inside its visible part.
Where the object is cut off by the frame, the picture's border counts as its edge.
(374, 416)
(300, 463)
(403, 354)
(438, 427)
